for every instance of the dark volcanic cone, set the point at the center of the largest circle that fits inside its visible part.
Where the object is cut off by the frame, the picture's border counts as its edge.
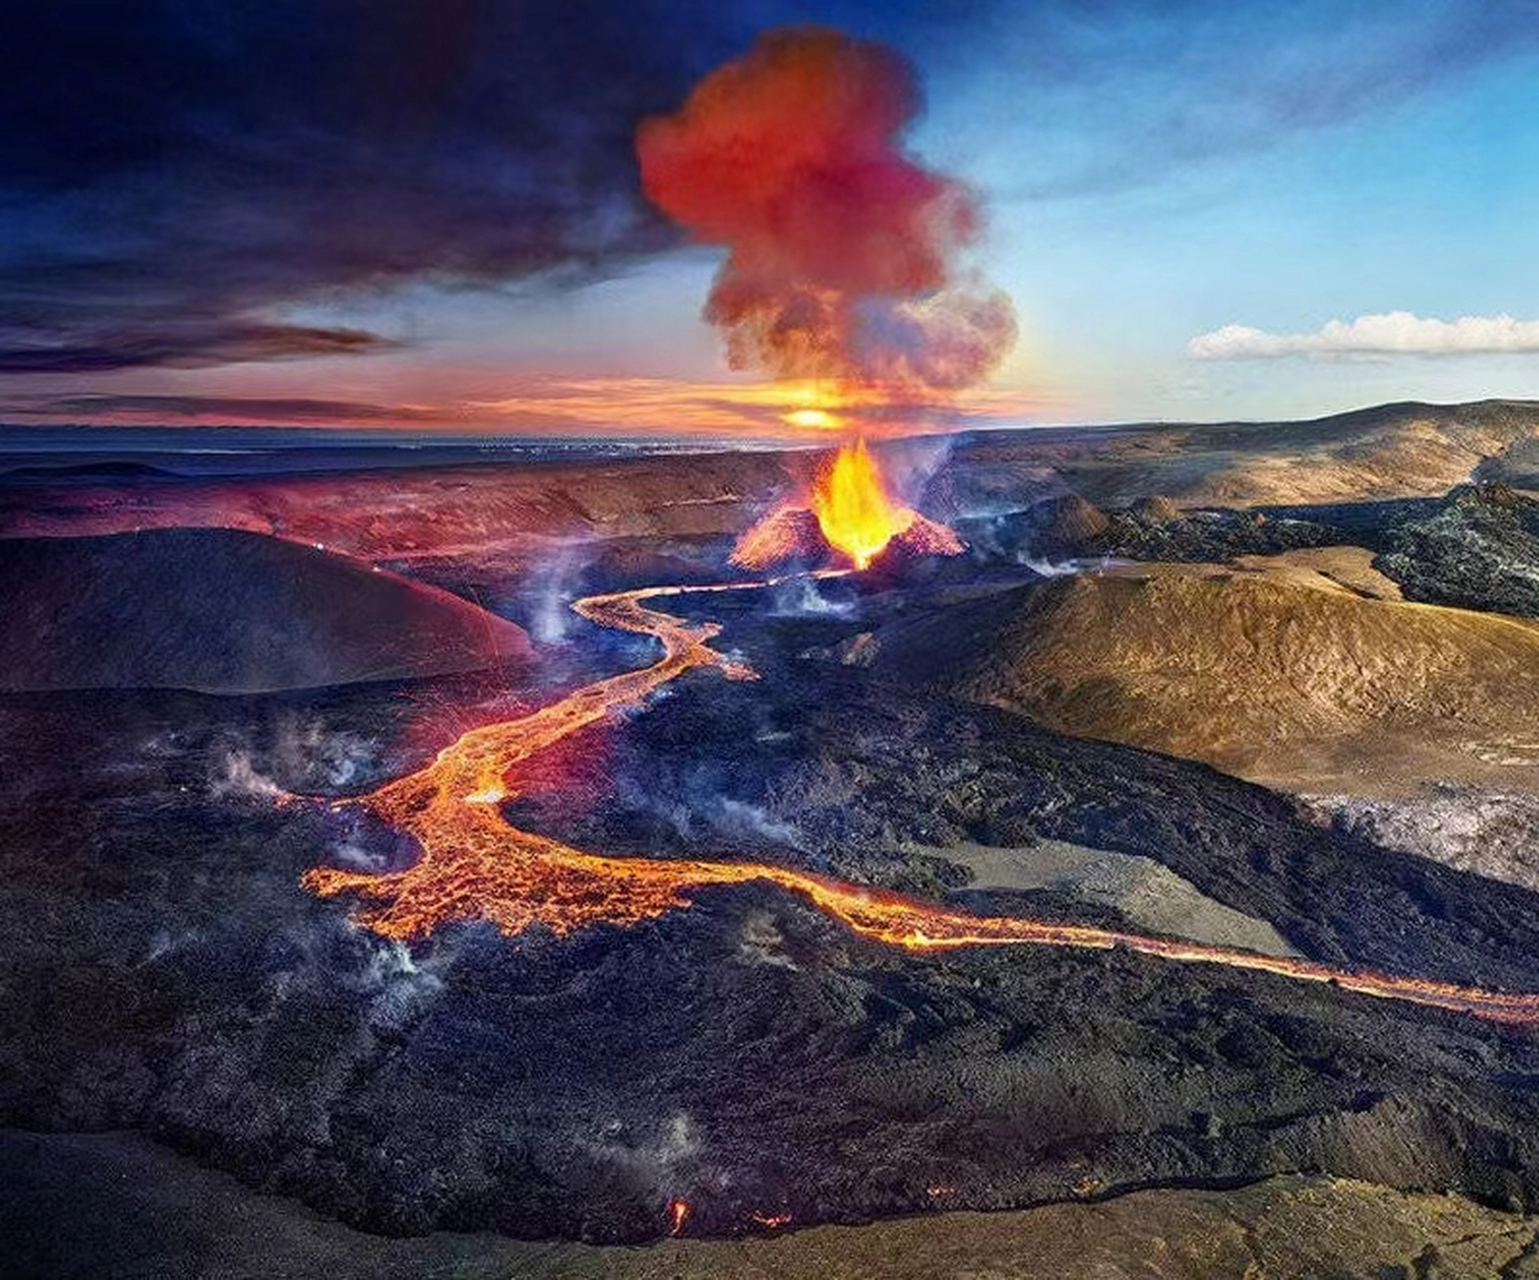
(225, 611)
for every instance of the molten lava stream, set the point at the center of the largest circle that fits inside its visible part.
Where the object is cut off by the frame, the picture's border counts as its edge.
(474, 865)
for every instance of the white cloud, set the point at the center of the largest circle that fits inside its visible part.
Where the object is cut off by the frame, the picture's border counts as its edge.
(1394, 333)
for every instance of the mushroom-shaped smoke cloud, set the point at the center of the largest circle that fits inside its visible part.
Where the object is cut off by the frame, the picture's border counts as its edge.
(842, 247)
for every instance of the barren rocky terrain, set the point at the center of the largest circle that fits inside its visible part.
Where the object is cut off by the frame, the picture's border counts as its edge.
(169, 974)
(1387, 452)
(1067, 723)
(1285, 678)
(161, 1218)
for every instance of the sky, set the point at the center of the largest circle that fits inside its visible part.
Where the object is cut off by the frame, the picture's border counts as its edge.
(428, 213)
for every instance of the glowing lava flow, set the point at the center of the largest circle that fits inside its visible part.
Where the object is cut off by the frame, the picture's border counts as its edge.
(475, 866)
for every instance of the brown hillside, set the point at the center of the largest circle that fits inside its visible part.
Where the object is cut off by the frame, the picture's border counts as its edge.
(1279, 675)
(1388, 451)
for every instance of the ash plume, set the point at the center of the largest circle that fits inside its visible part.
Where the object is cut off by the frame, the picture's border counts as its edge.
(842, 248)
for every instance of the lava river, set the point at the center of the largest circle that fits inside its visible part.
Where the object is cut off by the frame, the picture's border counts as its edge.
(474, 865)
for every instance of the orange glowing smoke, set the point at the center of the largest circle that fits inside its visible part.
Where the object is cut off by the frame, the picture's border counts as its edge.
(474, 866)
(841, 246)
(854, 511)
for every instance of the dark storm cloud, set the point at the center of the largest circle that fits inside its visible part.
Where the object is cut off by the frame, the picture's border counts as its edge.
(175, 341)
(178, 176)
(172, 172)
(230, 408)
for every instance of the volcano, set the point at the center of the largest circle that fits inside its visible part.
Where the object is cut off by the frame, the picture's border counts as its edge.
(846, 517)
(224, 611)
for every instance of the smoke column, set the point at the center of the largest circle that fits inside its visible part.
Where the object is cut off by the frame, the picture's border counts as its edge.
(841, 246)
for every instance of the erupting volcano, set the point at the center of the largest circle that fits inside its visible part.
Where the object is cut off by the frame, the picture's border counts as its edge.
(841, 262)
(847, 512)
(853, 508)
(839, 267)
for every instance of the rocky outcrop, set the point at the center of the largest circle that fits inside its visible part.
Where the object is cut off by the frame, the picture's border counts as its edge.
(1051, 528)
(1492, 833)
(1156, 529)
(1478, 550)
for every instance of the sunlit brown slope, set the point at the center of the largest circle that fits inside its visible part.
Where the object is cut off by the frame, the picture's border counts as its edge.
(1277, 675)
(1388, 451)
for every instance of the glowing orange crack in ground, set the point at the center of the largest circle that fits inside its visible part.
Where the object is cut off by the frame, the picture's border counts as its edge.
(475, 866)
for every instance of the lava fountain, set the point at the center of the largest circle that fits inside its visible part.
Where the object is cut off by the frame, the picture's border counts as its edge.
(852, 506)
(847, 512)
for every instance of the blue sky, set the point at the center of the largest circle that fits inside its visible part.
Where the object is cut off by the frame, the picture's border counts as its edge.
(1425, 204)
(1153, 172)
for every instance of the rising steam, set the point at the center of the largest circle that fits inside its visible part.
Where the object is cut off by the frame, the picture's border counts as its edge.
(842, 248)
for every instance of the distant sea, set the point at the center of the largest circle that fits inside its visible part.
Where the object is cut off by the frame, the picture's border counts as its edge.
(92, 454)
